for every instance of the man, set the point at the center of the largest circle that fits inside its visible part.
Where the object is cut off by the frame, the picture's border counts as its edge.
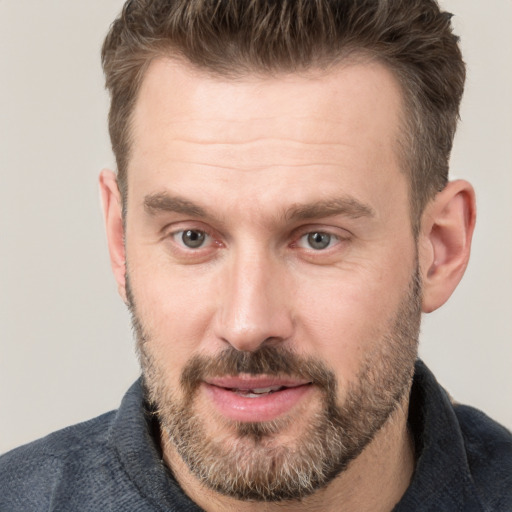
(280, 218)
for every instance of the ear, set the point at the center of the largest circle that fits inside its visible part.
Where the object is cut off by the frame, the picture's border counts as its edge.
(445, 242)
(112, 211)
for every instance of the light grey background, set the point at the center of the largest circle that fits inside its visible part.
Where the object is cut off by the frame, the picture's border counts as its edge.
(66, 349)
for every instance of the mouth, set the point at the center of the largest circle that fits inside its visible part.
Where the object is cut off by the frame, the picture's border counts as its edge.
(256, 386)
(248, 398)
(257, 392)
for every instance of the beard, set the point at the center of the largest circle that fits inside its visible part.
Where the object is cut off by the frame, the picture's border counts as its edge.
(251, 460)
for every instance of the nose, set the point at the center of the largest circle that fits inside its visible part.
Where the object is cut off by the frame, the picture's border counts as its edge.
(254, 307)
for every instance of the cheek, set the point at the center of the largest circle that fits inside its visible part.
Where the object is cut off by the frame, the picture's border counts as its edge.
(347, 318)
(175, 313)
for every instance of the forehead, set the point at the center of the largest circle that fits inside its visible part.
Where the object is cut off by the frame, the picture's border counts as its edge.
(183, 99)
(298, 129)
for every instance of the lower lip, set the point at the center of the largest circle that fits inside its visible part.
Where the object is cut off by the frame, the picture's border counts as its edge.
(263, 408)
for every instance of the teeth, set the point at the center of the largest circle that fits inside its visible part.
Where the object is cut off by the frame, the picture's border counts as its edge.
(252, 393)
(265, 390)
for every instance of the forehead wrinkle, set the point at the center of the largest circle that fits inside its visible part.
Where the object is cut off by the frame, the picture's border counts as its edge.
(247, 131)
(254, 141)
(260, 167)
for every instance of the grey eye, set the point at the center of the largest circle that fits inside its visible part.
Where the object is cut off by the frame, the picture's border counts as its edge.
(318, 240)
(192, 238)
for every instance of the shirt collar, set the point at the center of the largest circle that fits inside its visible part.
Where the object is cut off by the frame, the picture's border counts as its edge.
(442, 478)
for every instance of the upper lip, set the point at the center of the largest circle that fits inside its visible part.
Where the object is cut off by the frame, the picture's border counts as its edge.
(249, 382)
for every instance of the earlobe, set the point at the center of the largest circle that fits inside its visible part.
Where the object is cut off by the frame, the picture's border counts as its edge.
(445, 242)
(112, 211)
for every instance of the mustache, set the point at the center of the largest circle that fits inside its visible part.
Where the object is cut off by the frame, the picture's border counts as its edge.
(266, 360)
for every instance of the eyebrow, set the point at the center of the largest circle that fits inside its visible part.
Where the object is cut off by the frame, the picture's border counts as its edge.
(346, 206)
(162, 202)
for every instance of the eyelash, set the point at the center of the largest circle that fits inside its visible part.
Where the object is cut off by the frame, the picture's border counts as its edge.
(333, 240)
(212, 239)
(209, 239)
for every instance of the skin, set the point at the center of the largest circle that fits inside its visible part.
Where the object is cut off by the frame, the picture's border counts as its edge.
(256, 157)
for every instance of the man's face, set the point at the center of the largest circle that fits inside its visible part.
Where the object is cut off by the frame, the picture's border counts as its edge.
(272, 270)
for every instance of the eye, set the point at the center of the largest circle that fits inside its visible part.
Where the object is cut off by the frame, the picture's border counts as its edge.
(191, 238)
(317, 240)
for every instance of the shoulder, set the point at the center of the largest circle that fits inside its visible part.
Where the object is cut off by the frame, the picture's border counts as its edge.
(488, 448)
(79, 442)
(30, 474)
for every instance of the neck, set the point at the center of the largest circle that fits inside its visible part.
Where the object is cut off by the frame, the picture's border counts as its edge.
(375, 481)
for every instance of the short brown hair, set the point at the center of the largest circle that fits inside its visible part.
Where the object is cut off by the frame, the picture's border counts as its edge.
(233, 37)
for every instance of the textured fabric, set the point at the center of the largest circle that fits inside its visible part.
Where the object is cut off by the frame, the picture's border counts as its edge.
(113, 462)
(464, 458)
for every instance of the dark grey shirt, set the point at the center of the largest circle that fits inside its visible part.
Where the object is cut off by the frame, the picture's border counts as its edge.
(113, 462)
